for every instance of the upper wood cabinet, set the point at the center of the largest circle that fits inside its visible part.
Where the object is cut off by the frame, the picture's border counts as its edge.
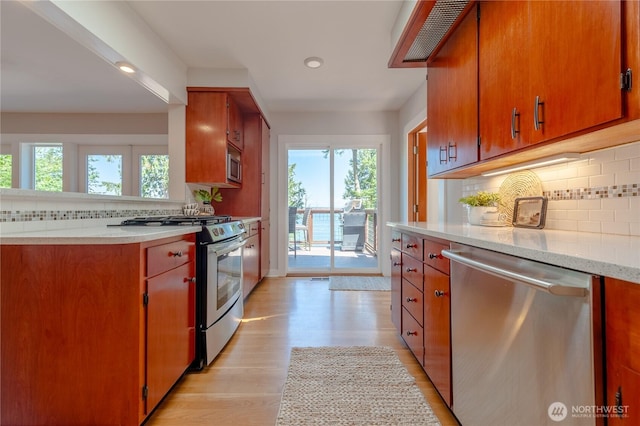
(546, 70)
(452, 100)
(234, 124)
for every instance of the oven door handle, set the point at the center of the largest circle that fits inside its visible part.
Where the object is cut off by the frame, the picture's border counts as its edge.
(549, 287)
(228, 248)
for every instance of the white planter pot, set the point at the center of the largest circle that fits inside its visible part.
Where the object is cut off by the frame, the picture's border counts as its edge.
(482, 215)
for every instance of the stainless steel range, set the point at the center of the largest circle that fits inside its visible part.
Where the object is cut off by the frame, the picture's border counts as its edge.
(219, 302)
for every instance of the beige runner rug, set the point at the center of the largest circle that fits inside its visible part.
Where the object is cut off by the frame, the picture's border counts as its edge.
(353, 385)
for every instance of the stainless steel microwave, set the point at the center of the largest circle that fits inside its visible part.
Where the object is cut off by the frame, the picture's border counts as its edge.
(234, 167)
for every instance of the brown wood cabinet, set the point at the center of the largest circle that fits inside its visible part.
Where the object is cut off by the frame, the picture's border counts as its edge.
(421, 304)
(251, 259)
(622, 350)
(547, 69)
(79, 345)
(234, 124)
(452, 100)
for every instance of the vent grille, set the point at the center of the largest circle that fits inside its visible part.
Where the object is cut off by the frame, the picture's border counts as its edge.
(440, 19)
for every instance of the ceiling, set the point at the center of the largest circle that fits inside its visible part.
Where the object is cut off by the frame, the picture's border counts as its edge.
(269, 38)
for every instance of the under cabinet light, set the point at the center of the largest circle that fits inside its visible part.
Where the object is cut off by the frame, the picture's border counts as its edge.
(125, 67)
(546, 161)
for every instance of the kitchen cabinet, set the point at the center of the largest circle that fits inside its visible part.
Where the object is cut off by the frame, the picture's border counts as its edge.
(622, 346)
(421, 304)
(170, 305)
(437, 319)
(550, 70)
(251, 259)
(79, 344)
(207, 146)
(264, 248)
(452, 100)
(234, 124)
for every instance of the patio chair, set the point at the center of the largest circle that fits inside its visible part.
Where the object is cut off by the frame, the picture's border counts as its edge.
(292, 227)
(304, 228)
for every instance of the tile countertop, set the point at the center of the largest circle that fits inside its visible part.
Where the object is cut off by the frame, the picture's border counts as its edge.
(96, 235)
(616, 256)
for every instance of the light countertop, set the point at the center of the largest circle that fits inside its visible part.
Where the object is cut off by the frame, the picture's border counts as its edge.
(97, 235)
(616, 256)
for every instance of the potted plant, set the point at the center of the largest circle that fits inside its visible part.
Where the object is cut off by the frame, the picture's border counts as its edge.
(206, 197)
(481, 207)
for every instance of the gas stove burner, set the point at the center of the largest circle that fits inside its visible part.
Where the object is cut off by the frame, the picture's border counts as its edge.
(175, 220)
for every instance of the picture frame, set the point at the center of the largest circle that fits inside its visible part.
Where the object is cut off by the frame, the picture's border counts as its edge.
(530, 212)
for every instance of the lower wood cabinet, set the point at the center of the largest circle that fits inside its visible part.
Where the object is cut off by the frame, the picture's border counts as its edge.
(93, 334)
(421, 304)
(622, 350)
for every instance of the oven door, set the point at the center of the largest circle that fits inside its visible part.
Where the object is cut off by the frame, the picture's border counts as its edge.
(224, 278)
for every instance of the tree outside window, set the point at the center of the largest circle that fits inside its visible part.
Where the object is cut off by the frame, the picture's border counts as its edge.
(154, 176)
(5, 170)
(47, 168)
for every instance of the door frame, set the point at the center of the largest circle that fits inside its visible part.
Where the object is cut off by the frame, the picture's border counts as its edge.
(417, 173)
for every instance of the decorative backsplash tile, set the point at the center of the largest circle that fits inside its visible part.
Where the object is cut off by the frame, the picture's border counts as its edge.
(39, 215)
(614, 191)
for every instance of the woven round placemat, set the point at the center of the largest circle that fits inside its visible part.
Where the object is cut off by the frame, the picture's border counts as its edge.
(521, 184)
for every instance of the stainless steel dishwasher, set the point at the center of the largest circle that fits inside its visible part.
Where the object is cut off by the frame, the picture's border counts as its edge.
(522, 340)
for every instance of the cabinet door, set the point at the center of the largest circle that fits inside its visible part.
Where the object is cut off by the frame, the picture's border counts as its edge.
(168, 330)
(505, 111)
(396, 289)
(622, 334)
(265, 140)
(234, 124)
(576, 53)
(437, 331)
(452, 100)
(251, 263)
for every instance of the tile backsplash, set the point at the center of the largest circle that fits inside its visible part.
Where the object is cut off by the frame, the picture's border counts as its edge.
(597, 193)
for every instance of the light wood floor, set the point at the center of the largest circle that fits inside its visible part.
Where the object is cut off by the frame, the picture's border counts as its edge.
(242, 387)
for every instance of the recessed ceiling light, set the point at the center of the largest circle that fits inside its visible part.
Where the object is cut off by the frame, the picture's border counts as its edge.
(125, 67)
(313, 62)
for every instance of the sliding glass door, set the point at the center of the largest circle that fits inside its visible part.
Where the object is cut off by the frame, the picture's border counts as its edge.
(332, 210)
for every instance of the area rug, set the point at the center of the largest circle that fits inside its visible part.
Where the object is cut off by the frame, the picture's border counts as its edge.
(359, 283)
(352, 385)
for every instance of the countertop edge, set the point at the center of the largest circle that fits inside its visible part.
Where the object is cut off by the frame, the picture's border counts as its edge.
(589, 264)
(102, 235)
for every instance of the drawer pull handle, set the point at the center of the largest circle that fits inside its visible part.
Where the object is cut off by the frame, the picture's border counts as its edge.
(190, 280)
(435, 256)
(412, 333)
(514, 114)
(409, 299)
(537, 123)
(439, 293)
(412, 245)
(412, 270)
(176, 253)
(397, 264)
(395, 240)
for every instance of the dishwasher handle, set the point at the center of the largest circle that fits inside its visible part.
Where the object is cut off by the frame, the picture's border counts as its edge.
(549, 287)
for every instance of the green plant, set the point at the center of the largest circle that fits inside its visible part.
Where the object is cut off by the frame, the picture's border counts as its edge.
(481, 199)
(206, 196)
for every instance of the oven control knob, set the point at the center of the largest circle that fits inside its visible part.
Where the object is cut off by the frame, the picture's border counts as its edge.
(215, 231)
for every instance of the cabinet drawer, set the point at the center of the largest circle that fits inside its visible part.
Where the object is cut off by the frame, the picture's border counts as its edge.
(396, 240)
(412, 271)
(433, 256)
(412, 333)
(412, 301)
(412, 244)
(252, 229)
(168, 256)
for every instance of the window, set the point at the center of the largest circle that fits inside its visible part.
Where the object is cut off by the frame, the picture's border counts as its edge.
(154, 175)
(5, 170)
(104, 174)
(47, 167)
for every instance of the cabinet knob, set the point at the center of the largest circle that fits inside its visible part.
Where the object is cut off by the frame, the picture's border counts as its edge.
(435, 256)
(411, 333)
(395, 240)
(409, 299)
(190, 280)
(439, 293)
(176, 253)
(411, 270)
(412, 246)
(397, 263)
